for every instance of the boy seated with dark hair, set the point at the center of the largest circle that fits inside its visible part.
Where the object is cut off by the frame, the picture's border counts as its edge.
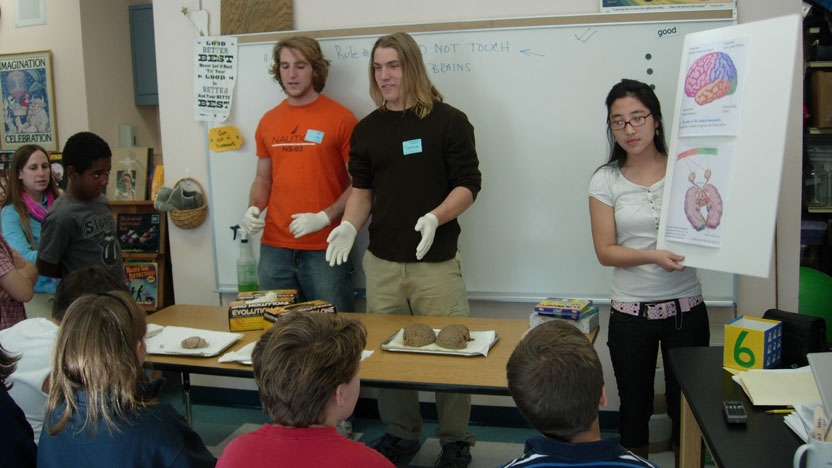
(79, 230)
(306, 368)
(556, 380)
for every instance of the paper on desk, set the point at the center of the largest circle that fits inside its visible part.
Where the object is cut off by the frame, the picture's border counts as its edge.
(802, 419)
(243, 355)
(778, 387)
(152, 330)
(169, 340)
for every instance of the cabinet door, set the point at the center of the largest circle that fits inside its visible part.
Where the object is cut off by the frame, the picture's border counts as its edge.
(143, 44)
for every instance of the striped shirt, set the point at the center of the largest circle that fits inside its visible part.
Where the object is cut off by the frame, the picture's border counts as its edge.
(541, 452)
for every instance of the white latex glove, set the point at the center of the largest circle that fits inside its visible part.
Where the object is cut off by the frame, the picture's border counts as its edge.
(307, 223)
(251, 223)
(427, 225)
(340, 242)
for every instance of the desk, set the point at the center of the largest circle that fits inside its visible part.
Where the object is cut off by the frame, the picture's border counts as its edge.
(439, 373)
(764, 441)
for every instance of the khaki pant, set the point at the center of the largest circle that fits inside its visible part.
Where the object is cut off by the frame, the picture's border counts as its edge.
(428, 289)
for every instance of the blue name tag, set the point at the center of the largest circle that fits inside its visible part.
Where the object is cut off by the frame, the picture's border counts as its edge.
(315, 136)
(412, 146)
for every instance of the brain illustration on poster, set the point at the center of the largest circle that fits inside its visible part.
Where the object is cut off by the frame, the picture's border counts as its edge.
(702, 195)
(712, 76)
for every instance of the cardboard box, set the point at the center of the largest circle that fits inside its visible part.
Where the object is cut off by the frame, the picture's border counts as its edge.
(753, 343)
(317, 306)
(246, 312)
(820, 100)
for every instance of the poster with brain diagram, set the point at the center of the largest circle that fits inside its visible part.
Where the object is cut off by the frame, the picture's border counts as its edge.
(730, 143)
(713, 86)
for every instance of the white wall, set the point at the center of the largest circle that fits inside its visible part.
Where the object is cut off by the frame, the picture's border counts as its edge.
(61, 35)
(91, 66)
(184, 145)
(105, 26)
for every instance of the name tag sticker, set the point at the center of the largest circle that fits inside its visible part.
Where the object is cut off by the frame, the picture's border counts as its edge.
(315, 136)
(412, 146)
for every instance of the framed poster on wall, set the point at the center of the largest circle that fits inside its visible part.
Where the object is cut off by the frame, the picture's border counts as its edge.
(128, 175)
(28, 98)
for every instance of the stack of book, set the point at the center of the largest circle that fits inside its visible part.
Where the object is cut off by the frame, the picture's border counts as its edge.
(579, 312)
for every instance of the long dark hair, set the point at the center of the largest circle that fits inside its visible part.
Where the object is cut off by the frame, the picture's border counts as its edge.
(645, 94)
(8, 363)
(14, 189)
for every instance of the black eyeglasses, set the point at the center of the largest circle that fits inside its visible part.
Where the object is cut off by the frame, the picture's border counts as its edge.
(636, 121)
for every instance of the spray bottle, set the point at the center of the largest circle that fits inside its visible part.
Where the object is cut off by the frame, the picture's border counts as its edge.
(246, 265)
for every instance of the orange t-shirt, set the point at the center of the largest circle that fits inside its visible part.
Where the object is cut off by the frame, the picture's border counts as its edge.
(309, 148)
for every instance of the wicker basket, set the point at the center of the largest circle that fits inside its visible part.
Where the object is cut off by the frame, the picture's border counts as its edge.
(190, 219)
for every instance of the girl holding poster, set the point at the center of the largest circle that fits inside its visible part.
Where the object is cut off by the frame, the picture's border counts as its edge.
(656, 301)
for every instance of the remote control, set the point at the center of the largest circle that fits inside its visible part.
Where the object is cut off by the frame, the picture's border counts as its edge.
(734, 412)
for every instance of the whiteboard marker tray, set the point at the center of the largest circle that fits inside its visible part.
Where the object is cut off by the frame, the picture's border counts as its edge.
(169, 341)
(482, 341)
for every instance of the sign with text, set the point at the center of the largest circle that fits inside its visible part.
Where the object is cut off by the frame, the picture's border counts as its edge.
(215, 73)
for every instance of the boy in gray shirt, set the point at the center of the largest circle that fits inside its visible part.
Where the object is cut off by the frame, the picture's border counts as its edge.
(79, 230)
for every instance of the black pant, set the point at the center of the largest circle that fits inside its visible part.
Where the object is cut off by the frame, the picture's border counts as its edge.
(634, 343)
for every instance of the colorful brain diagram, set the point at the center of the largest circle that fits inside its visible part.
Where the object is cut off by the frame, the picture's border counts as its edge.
(711, 77)
(704, 195)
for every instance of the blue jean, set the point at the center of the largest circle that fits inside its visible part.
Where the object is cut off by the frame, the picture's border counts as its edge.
(634, 343)
(309, 273)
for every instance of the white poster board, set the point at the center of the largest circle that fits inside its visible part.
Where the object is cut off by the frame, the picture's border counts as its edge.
(727, 145)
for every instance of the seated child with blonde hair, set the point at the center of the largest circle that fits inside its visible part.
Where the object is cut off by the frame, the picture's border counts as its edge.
(98, 413)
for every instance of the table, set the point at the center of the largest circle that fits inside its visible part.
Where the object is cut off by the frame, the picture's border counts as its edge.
(764, 441)
(430, 372)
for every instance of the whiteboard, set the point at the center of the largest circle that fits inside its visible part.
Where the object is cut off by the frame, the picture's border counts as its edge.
(535, 96)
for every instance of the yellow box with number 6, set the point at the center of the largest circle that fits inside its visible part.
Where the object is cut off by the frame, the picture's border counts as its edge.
(753, 343)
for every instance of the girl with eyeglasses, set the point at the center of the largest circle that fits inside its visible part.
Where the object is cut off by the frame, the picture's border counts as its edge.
(656, 301)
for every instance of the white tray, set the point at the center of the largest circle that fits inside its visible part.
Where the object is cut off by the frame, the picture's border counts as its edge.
(482, 341)
(169, 341)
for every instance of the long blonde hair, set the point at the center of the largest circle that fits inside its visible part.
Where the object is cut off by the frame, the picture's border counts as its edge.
(415, 82)
(95, 352)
